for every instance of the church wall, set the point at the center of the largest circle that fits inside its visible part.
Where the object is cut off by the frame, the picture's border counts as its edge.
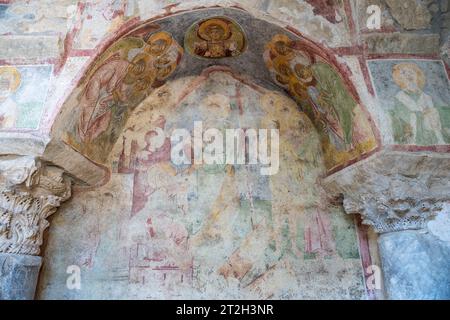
(49, 47)
(69, 35)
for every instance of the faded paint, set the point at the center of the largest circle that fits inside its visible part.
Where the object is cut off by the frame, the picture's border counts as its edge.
(209, 231)
(415, 97)
(23, 92)
(332, 105)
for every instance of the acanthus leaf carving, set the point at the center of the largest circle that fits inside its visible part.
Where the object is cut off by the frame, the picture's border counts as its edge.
(395, 214)
(25, 206)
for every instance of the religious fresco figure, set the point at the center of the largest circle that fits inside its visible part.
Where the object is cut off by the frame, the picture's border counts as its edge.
(217, 37)
(23, 92)
(323, 95)
(415, 120)
(104, 88)
(10, 80)
(316, 84)
(127, 75)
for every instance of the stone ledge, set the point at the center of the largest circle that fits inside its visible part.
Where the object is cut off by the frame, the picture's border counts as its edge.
(75, 164)
(23, 143)
(20, 47)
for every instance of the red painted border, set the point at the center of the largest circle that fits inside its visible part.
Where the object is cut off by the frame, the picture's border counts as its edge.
(364, 252)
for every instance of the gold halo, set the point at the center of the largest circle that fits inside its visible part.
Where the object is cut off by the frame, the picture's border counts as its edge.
(162, 35)
(16, 76)
(215, 21)
(284, 39)
(400, 80)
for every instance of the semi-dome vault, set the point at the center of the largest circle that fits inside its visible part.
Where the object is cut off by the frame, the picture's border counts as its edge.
(145, 56)
(92, 91)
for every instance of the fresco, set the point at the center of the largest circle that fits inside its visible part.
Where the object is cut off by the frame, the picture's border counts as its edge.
(98, 18)
(346, 133)
(208, 231)
(23, 92)
(214, 38)
(122, 77)
(15, 18)
(329, 9)
(415, 95)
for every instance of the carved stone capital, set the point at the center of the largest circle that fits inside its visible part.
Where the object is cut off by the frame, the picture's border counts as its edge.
(394, 214)
(30, 192)
(394, 191)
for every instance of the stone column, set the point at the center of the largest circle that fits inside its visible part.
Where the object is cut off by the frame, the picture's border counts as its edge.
(30, 192)
(401, 195)
(415, 261)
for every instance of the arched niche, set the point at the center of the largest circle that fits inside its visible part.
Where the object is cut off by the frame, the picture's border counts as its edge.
(208, 230)
(94, 114)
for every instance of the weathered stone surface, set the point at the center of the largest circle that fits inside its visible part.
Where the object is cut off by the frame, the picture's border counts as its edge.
(30, 192)
(23, 143)
(440, 225)
(18, 276)
(402, 43)
(38, 17)
(410, 14)
(394, 191)
(18, 47)
(394, 214)
(416, 265)
(361, 6)
(445, 4)
(81, 168)
(445, 38)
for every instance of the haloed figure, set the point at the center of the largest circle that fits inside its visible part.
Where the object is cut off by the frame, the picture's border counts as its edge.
(415, 120)
(118, 78)
(9, 83)
(215, 40)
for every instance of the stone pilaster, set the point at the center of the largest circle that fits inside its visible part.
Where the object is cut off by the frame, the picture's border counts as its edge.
(30, 192)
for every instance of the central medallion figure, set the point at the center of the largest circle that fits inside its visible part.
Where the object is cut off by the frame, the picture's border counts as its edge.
(214, 38)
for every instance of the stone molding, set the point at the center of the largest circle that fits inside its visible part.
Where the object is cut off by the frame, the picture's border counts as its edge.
(394, 191)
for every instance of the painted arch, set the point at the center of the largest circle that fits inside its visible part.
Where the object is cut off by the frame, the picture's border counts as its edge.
(147, 55)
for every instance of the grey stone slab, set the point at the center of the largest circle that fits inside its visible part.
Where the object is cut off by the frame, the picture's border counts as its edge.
(416, 266)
